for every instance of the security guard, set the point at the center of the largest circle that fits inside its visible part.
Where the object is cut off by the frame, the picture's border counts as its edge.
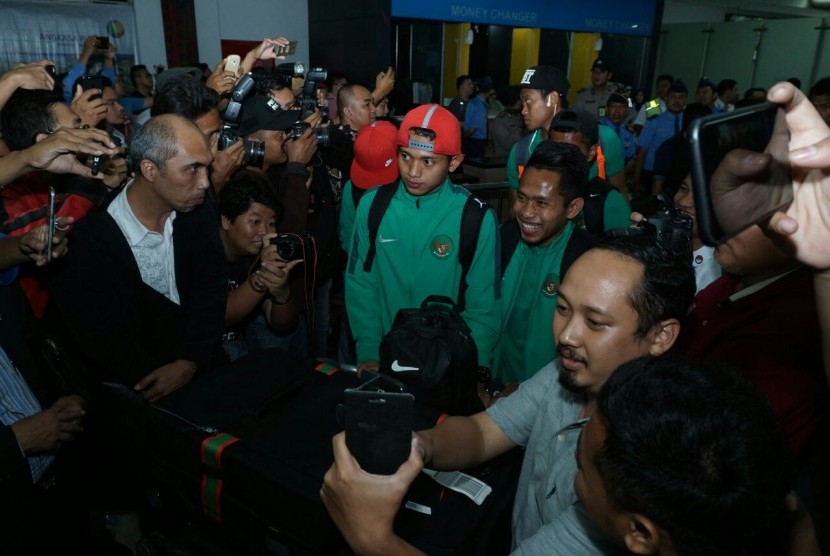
(592, 99)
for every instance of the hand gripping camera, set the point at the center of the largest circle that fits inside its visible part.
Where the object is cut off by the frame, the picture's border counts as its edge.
(254, 150)
(671, 228)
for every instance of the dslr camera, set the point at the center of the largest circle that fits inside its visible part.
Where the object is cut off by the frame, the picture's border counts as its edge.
(289, 246)
(307, 99)
(671, 228)
(254, 150)
(322, 133)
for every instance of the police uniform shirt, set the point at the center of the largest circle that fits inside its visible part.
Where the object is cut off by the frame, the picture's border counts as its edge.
(656, 132)
(629, 143)
(591, 101)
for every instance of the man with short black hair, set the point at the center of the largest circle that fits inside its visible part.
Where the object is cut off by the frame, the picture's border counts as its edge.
(728, 95)
(616, 115)
(706, 94)
(684, 458)
(544, 91)
(458, 106)
(621, 300)
(142, 82)
(538, 247)
(188, 97)
(657, 131)
(605, 208)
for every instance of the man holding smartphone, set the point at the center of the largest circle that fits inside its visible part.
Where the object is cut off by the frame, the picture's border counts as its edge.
(603, 319)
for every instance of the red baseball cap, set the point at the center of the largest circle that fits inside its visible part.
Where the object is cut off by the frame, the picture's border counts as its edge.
(437, 119)
(375, 155)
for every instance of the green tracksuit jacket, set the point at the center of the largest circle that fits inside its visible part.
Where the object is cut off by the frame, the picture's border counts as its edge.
(417, 256)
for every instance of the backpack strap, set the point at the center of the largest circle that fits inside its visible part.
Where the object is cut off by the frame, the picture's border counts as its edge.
(594, 210)
(471, 219)
(357, 193)
(523, 151)
(579, 242)
(383, 196)
(510, 235)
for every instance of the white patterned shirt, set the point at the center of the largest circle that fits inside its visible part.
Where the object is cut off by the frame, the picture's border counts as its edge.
(153, 252)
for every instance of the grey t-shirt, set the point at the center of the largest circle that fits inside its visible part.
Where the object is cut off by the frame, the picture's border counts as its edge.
(543, 417)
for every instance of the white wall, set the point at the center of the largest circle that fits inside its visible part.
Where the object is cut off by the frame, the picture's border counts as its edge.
(251, 20)
(227, 19)
(150, 31)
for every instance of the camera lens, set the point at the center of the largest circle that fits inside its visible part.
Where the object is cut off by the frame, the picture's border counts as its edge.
(323, 137)
(254, 152)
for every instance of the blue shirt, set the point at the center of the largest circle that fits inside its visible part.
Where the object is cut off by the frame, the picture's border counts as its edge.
(658, 130)
(77, 70)
(476, 117)
(629, 143)
(18, 402)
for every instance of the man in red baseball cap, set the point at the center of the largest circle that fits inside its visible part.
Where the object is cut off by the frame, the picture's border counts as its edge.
(415, 252)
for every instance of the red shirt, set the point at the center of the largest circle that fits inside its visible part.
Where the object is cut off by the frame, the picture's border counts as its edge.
(773, 335)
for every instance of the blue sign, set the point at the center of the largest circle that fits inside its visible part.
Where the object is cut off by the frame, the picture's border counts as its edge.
(621, 17)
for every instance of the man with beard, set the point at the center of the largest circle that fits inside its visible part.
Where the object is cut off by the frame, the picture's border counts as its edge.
(621, 300)
(143, 295)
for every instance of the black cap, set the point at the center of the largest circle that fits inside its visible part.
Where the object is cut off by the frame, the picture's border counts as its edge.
(261, 112)
(600, 64)
(545, 78)
(577, 120)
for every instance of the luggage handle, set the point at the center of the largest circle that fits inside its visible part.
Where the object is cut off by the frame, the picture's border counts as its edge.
(438, 300)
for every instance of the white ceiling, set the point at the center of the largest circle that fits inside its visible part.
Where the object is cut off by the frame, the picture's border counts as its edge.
(761, 8)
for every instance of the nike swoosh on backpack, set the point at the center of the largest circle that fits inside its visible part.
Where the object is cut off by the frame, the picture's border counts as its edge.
(397, 367)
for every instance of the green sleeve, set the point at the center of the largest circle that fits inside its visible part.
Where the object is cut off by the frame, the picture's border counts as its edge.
(616, 213)
(512, 169)
(347, 211)
(361, 288)
(613, 150)
(481, 312)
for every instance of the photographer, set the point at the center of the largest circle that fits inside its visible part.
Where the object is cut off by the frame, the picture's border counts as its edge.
(300, 180)
(92, 45)
(257, 276)
(188, 97)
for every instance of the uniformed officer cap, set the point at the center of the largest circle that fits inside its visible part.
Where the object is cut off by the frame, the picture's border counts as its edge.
(600, 64)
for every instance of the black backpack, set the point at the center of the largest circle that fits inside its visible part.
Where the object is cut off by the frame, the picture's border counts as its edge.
(430, 348)
(593, 213)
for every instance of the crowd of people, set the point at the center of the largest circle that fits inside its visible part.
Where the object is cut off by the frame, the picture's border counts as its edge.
(667, 400)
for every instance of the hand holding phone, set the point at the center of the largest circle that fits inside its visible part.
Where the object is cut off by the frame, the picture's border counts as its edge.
(378, 427)
(285, 50)
(740, 169)
(232, 63)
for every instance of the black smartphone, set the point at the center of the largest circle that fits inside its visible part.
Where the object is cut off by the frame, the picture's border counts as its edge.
(724, 207)
(92, 82)
(102, 43)
(286, 50)
(378, 426)
(50, 223)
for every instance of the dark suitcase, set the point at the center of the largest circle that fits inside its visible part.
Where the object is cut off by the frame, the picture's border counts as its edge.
(248, 452)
